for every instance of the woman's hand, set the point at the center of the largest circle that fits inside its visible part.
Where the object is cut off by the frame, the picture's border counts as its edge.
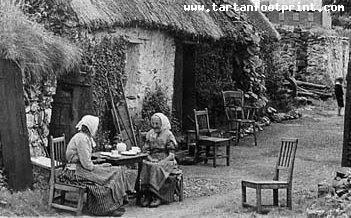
(170, 157)
(149, 158)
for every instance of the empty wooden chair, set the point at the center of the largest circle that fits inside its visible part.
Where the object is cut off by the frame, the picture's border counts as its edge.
(211, 144)
(285, 162)
(237, 113)
(58, 161)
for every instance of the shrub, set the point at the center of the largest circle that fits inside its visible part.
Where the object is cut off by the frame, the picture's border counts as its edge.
(156, 102)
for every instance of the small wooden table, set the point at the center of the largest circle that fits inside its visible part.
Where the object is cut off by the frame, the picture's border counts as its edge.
(125, 160)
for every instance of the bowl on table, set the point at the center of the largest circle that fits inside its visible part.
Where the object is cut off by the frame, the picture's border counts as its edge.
(136, 149)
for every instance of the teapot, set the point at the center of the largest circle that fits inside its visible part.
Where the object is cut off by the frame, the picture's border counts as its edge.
(121, 147)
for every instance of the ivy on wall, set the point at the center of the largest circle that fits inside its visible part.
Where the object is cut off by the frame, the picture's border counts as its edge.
(104, 60)
(228, 66)
(103, 57)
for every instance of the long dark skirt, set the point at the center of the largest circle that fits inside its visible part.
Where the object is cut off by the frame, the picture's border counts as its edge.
(157, 179)
(340, 101)
(100, 200)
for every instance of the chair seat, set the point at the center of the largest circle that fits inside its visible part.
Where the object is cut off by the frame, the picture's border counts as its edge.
(270, 184)
(213, 139)
(201, 131)
(244, 120)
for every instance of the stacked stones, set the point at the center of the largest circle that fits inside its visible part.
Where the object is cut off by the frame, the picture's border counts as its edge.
(288, 49)
(318, 58)
(38, 98)
(327, 59)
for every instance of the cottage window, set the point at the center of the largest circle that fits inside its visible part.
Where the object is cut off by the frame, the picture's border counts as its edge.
(296, 16)
(310, 16)
(281, 16)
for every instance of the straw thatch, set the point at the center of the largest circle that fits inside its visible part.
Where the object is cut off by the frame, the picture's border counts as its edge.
(260, 21)
(28, 44)
(168, 15)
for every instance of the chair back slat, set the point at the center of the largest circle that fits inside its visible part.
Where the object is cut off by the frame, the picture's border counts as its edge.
(233, 98)
(57, 153)
(202, 122)
(233, 102)
(286, 157)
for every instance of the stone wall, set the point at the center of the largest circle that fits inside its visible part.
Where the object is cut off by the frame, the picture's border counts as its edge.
(328, 58)
(150, 60)
(317, 58)
(38, 99)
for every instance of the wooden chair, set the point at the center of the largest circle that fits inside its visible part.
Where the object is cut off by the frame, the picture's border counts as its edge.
(58, 161)
(237, 114)
(209, 143)
(285, 162)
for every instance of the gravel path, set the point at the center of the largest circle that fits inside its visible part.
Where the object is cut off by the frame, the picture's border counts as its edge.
(216, 192)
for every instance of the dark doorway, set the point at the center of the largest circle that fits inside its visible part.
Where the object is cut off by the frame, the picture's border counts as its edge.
(72, 101)
(184, 90)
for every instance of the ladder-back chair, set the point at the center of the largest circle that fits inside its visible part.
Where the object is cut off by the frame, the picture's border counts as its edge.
(202, 126)
(58, 161)
(285, 162)
(237, 113)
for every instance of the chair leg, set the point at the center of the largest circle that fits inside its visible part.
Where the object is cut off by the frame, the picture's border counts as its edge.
(80, 202)
(275, 197)
(254, 133)
(214, 155)
(289, 198)
(51, 194)
(243, 194)
(238, 126)
(228, 153)
(181, 189)
(258, 199)
(207, 153)
(62, 197)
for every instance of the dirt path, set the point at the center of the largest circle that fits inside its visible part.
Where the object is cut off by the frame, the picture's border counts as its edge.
(216, 192)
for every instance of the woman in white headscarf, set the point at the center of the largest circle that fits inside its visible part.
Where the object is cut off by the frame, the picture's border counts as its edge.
(160, 143)
(106, 185)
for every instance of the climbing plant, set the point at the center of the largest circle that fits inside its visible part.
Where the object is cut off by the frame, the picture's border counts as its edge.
(156, 102)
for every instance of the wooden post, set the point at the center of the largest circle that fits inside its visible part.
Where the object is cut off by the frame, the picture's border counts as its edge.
(13, 127)
(346, 151)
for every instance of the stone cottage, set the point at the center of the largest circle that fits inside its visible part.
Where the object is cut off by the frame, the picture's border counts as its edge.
(159, 51)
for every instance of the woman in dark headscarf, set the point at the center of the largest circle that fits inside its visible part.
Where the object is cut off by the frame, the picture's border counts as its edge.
(160, 143)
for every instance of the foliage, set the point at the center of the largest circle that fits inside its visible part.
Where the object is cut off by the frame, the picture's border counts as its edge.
(229, 65)
(275, 68)
(156, 102)
(104, 61)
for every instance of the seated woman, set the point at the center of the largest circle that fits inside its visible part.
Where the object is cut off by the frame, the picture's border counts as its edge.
(106, 185)
(160, 143)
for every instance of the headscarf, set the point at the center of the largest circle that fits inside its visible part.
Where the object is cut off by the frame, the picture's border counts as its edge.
(91, 122)
(165, 124)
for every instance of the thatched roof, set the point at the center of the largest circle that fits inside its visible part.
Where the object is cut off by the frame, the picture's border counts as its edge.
(260, 21)
(28, 44)
(166, 15)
